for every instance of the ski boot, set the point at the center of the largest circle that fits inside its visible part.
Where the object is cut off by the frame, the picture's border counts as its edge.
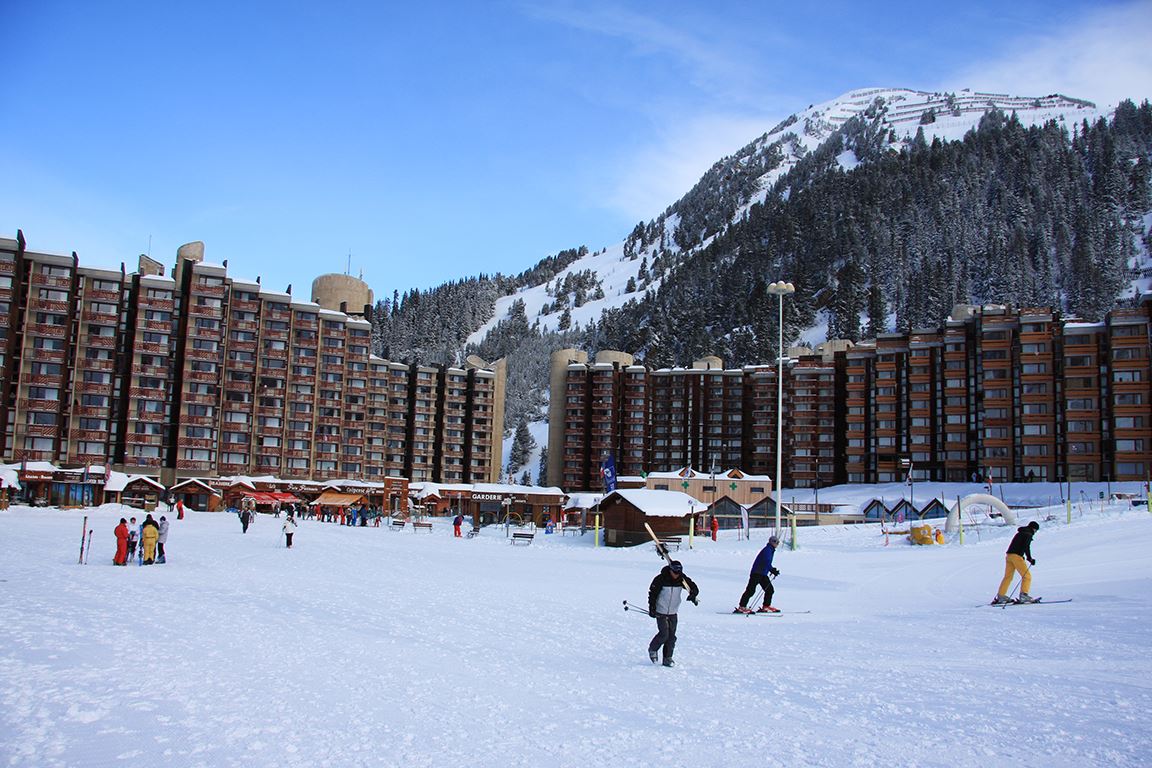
(1002, 600)
(655, 658)
(742, 609)
(669, 663)
(1026, 598)
(768, 609)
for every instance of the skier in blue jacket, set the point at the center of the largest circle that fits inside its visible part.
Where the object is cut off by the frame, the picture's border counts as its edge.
(759, 577)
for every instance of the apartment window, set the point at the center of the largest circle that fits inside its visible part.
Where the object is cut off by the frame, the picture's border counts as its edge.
(1127, 377)
(1129, 446)
(1129, 353)
(1129, 422)
(1035, 429)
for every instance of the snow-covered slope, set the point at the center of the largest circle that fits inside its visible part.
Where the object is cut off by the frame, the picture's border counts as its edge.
(367, 647)
(900, 111)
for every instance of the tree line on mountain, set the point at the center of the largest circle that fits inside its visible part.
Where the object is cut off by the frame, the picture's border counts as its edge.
(1040, 216)
(1050, 215)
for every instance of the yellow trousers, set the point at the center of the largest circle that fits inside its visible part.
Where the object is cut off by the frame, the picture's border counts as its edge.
(1012, 565)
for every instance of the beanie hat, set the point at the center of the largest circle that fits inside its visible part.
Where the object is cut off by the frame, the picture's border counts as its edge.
(676, 567)
(1034, 525)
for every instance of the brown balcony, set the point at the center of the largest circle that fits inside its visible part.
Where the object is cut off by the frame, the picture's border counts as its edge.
(200, 466)
(149, 393)
(51, 281)
(30, 404)
(47, 329)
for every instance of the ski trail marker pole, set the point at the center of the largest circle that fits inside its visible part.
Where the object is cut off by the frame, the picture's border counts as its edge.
(83, 532)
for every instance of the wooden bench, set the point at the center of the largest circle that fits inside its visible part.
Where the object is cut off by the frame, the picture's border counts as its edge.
(671, 542)
(417, 527)
(397, 524)
(522, 537)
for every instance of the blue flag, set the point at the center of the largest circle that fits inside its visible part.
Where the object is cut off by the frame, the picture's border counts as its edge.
(608, 472)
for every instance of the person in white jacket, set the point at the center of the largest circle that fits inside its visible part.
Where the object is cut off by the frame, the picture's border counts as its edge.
(161, 540)
(289, 528)
(663, 604)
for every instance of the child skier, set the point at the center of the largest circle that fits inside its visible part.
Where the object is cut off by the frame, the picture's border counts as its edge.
(663, 602)
(133, 537)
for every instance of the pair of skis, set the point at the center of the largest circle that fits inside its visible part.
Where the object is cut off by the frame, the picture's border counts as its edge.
(1035, 601)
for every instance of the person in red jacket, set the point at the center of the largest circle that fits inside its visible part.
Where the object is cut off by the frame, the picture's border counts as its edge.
(715, 527)
(121, 557)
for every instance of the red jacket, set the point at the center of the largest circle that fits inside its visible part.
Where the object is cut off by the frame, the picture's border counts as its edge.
(122, 533)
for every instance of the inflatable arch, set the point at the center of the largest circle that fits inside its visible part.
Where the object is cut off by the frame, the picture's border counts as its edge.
(953, 523)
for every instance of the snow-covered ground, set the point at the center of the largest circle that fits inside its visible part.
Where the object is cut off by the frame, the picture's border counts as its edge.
(364, 646)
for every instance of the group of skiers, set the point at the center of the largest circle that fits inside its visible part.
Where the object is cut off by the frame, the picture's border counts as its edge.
(666, 590)
(150, 536)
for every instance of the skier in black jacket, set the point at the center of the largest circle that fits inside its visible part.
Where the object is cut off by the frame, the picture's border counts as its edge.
(1018, 551)
(663, 602)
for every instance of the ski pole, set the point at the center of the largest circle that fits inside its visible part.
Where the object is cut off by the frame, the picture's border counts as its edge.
(88, 549)
(630, 607)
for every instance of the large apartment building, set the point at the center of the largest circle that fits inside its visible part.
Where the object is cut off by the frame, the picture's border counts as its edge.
(1013, 395)
(204, 374)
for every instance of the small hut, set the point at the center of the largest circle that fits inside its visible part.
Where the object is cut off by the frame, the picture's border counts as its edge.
(625, 512)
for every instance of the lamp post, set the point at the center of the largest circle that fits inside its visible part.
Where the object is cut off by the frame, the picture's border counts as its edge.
(780, 289)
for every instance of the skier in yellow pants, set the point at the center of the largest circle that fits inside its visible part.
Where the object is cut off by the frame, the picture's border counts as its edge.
(1018, 551)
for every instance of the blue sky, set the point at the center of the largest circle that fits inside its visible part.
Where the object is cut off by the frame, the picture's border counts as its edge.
(437, 142)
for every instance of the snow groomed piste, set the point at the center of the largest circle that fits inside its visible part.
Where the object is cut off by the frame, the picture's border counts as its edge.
(361, 646)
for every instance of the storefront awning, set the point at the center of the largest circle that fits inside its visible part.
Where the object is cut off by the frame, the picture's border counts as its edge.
(336, 499)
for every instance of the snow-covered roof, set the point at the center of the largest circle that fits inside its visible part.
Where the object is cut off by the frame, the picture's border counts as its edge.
(196, 481)
(9, 478)
(583, 500)
(118, 481)
(660, 503)
(688, 473)
(511, 488)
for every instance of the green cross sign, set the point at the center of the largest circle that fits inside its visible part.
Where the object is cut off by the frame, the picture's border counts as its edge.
(732, 486)
(684, 485)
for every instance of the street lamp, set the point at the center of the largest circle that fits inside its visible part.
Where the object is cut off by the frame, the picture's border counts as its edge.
(781, 289)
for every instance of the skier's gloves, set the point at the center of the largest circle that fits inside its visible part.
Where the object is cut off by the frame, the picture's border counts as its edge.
(774, 571)
(1032, 561)
(694, 600)
(652, 613)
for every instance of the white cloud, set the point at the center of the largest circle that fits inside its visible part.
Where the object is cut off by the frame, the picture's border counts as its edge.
(657, 176)
(1104, 56)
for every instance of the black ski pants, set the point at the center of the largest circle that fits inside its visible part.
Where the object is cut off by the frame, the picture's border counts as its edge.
(665, 636)
(757, 580)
